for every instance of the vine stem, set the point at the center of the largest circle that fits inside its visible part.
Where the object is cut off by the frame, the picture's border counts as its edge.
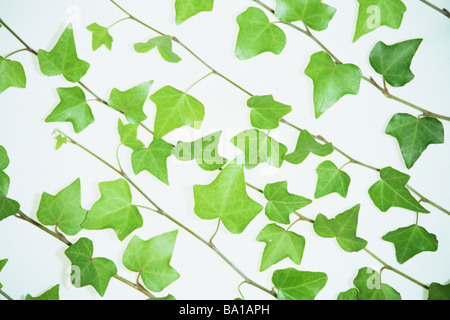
(444, 11)
(5, 295)
(160, 211)
(14, 52)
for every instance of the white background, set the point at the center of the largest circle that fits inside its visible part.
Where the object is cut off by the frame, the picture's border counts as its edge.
(355, 124)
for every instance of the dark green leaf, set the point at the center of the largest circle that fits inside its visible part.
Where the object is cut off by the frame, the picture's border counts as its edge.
(186, 9)
(266, 112)
(8, 207)
(100, 36)
(11, 74)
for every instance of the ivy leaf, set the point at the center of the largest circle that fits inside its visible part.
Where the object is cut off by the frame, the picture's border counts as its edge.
(331, 179)
(204, 151)
(280, 244)
(266, 112)
(391, 191)
(306, 144)
(414, 135)
(368, 283)
(52, 294)
(168, 297)
(331, 81)
(11, 74)
(257, 35)
(151, 259)
(226, 198)
(186, 9)
(281, 203)
(4, 159)
(298, 285)
(439, 292)
(8, 207)
(314, 13)
(114, 210)
(63, 210)
(128, 135)
(100, 36)
(131, 102)
(176, 109)
(343, 228)
(373, 14)
(96, 272)
(164, 44)
(72, 108)
(410, 241)
(351, 294)
(60, 141)
(2, 265)
(63, 59)
(258, 147)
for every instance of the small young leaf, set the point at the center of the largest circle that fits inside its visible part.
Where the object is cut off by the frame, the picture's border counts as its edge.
(410, 241)
(153, 159)
(331, 81)
(351, 294)
(100, 36)
(280, 244)
(258, 147)
(114, 210)
(131, 102)
(439, 292)
(373, 14)
(331, 179)
(226, 198)
(390, 192)
(368, 283)
(306, 144)
(298, 285)
(266, 112)
(176, 109)
(343, 228)
(73, 108)
(8, 207)
(314, 13)
(128, 135)
(204, 151)
(52, 294)
(281, 203)
(414, 135)
(186, 9)
(63, 210)
(164, 44)
(151, 259)
(63, 59)
(11, 74)
(96, 272)
(60, 141)
(257, 35)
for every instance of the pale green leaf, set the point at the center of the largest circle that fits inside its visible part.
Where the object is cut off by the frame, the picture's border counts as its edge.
(8, 207)
(51, 294)
(186, 9)
(369, 285)
(266, 112)
(298, 285)
(439, 292)
(331, 179)
(164, 45)
(100, 36)
(306, 144)
(11, 74)
(128, 135)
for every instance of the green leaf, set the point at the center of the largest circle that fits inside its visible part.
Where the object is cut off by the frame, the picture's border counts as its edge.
(351, 294)
(226, 198)
(128, 135)
(343, 228)
(394, 62)
(114, 210)
(60, 141)
(96, 272)
(4, 184)
(410, 241)
(306, 144)
(4, 159)
(52, 294)
(186, 9)
(331, 179)
(2, 265)
(63, 59)
(391, 191)
(280, 244)
(168, 297)
(373, 14)
(204, 151)
(257, 35)
(176, 109)
(298, 285)
(281, 203)
(151, 259)
(72, 108)
(8, 207)
(331, 82)
(258, 147)
(414, 135)
(100, 36)
(439, 292)
(368, 283)
(314, 13)
(164, 44)
(131, 102)
(153, 159)
(63, 210)
(11, 74)
(266, 112)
